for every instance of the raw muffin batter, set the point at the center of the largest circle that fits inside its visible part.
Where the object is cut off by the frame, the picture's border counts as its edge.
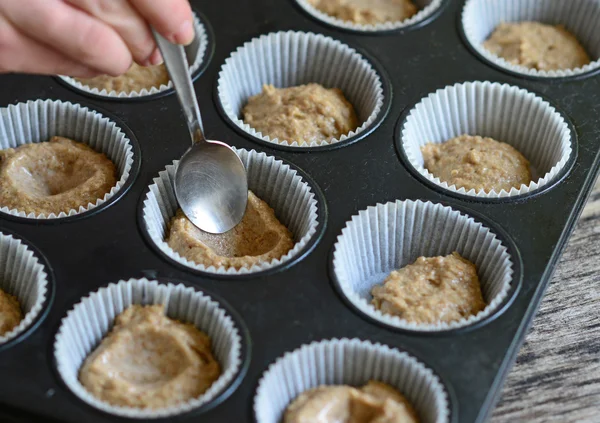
(258, 238)
(10, 312)
(53, 177)
(537, 46)
(134, 80)
(367, 12)
(473, 162)
(305, 113)
(375, 402)
(150, 361)
(431, 290)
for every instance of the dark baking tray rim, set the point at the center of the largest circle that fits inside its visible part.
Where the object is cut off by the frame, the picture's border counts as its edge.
(515, 288)
(50, 293)
(208, 55)
(133, 174)
(388, 94)
(417, 25)
(483, 59)
(323, 214)
(246, 355)
(564, 172)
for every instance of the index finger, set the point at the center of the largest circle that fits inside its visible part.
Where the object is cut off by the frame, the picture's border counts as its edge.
(173, 19)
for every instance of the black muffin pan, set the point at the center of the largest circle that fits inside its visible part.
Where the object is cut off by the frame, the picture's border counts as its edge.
(299, 303)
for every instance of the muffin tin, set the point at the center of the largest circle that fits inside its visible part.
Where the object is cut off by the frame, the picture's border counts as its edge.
(279, 309)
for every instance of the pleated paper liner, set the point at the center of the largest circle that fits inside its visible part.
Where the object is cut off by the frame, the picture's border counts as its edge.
(426, 8)
(500, 111)
(387, 237)
(24, 276)
(273, 181)
(349, 362)
(39, 120)
(92, 318)
(198, 55)
(286, 59)
(580, 17)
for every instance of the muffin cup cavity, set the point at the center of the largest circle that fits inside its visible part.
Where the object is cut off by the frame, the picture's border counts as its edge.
(286, 59)
(38, 121)
(499, 111)
(195, 53)
(273, 181)
(426, 8)
(349, 362)
(92, 318)
(24, 276)
(580, 17)
(390, 236)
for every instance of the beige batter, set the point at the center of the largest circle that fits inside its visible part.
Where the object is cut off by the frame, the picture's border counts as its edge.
(537, 46)
(53, 177)
(431, 290)
(258, 238)
(474, 162)
(134, 80)
(150, 361)
(10, 312)
(367, 12)
(305, 113)
(375, 402)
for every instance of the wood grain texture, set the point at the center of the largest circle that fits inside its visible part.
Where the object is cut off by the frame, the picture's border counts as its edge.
(557, 374)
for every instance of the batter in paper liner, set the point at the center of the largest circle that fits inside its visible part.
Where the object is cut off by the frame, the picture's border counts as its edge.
(53, 177)
(474, 162)
(258, 238)
(375, 402)
(431, 290)
(306, 113)
(10, 312)
(537, 46)
(367, 12)
(150, 361)
(134, 80)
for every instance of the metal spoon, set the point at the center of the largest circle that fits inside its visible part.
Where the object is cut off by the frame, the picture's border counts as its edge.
(211, 185)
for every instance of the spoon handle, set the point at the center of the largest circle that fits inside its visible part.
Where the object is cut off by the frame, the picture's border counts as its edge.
(177, 65)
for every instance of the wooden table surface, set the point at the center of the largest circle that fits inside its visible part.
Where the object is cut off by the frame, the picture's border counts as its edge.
(557, 374)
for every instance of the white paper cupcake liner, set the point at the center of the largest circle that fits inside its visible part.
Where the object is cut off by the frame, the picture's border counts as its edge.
(198, 56)
(91, 319)
(500, 111)
(287, 59)
(22, 275)
(273, 181)
(390, 236)
(39, 120)
(580, 17)
(426, 9)
(349, 362)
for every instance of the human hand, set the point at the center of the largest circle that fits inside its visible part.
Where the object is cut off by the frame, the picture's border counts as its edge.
(84, 38)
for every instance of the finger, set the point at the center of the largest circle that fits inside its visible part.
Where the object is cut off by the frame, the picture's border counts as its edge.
(19, 53)
(126, 21)
(73, 32)
(173, 19)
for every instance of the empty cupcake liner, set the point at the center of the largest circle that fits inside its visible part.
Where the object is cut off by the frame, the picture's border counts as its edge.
(22, 275)
(287, 59)
(198, 55)
(580, 17)
(390, 236)
(91, 319)
(349, 362)
(425, 9)
(500, 111)
(273, 181)
(39, 120)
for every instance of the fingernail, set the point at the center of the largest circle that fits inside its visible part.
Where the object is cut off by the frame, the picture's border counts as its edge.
(185, 35)
(156, 58)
